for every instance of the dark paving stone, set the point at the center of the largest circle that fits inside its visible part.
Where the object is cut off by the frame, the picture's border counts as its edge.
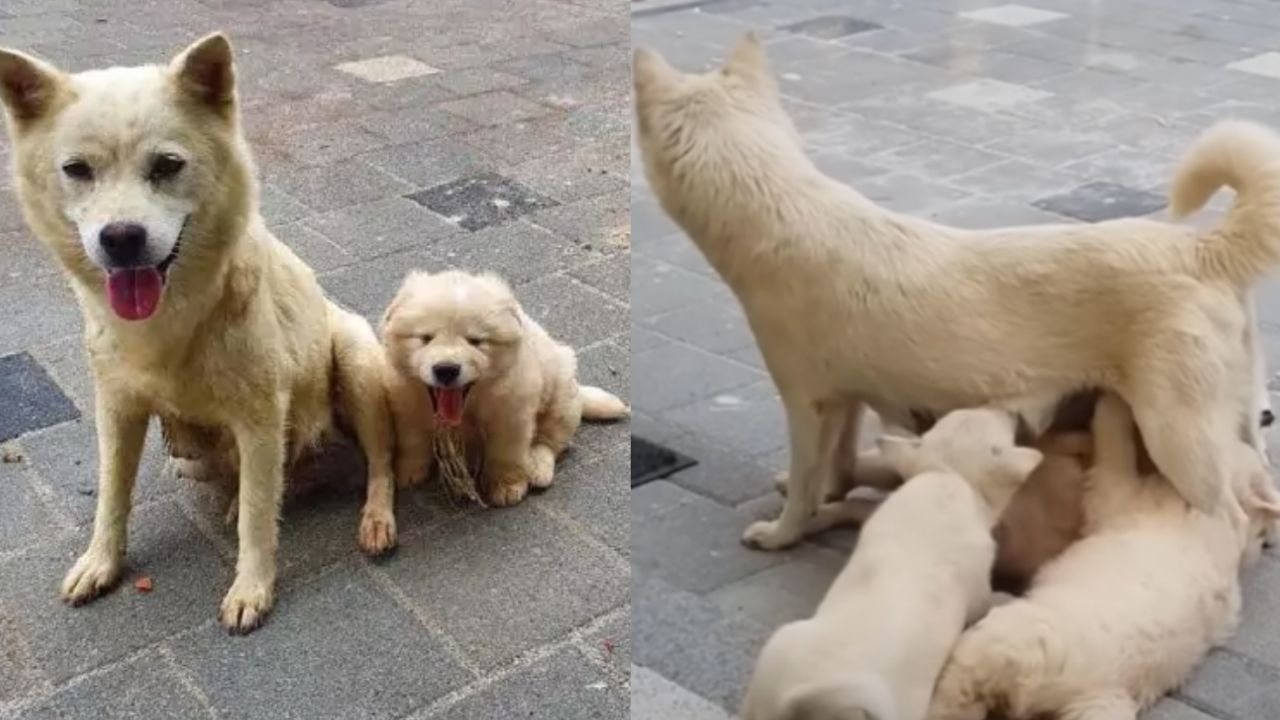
(1098, 201)
(189, 581)
(830, 27)
(337, 647)
(692, 642)
(142, 687)
(565, 686)
(573, 313)
(66, 459)
(32, 399)
(651, 461)
(515, 579)
(480, 201)
(695, 544)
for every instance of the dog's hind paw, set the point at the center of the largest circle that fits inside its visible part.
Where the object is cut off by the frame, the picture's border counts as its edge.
(93, 574)
(377, 532)
(246, 605)
(769, 535)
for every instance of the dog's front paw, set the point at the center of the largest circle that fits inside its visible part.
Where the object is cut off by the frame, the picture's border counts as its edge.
(509, 492)
(93, 574)
(377, 531)
(542, 467)
(768, 535)
(246, 604)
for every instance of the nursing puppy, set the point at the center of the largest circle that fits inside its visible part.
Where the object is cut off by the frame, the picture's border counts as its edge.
(140, 183)
(847, 299)
(1126, 613)
(875, 645)
(467, 356)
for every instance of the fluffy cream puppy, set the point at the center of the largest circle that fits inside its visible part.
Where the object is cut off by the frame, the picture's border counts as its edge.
(875, 645)
(850, 300)
(468, 358)
(1124, 614)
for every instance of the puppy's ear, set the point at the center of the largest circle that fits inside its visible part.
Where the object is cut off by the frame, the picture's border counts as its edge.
(28, 87)
(1019, 462)
(651, 72)
(899, 453)
(205, 73)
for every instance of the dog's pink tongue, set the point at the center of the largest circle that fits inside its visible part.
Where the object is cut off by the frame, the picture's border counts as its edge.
(449, 406)
(134, 293)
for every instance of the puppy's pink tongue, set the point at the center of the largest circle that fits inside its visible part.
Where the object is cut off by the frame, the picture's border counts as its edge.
(449, 406)
(135, 293)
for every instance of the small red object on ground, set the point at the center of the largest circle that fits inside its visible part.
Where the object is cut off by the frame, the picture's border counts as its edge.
(142, 584)
(608, 646)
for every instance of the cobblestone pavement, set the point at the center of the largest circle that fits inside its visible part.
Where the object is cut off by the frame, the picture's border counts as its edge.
(356, 110)
(971, 112)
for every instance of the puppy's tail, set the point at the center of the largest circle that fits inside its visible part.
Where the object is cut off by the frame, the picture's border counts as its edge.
(1244, 156)
(859, 697)
(598, 404)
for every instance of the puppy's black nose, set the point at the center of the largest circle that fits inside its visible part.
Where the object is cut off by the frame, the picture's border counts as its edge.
(446, 373)
(123, 242)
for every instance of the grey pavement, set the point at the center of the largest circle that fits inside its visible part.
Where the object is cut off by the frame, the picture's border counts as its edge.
(976, 113)
(370, 120)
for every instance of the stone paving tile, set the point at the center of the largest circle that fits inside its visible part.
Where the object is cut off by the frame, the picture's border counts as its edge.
(23, 517)
(654, 697)
(565, 686)
(675, 375)
(430, 163)
(551, 581)
(340, 185)
(381, 227)
(480, 201)
(34, 400)
(572, 312)
(145, 686)
(389, 664)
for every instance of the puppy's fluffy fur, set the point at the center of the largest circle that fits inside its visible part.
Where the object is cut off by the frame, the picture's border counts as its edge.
(878, 640)
(515, 390)
(847, 299)
(232, 344)
(1124, 614)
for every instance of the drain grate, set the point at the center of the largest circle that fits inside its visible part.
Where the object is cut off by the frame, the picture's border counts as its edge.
(651, 461)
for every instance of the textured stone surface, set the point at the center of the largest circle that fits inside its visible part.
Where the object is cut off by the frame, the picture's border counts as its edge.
(349, 106)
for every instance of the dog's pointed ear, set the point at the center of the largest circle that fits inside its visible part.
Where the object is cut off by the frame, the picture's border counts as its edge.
(899, 453)
(28, 87)
(747, 60)
(651, 72)
(205, 73)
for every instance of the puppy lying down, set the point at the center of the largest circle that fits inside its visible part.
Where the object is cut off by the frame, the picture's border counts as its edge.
(468, 361)
(1126, 613)
(878, 640)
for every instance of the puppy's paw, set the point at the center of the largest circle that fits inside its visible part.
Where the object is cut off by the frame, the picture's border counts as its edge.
(508, 493)
(93, 574)
(246, 604)
(377, 531)
(768, 535)
(542, 467)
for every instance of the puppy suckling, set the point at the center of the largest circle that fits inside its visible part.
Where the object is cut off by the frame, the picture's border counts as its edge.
(139, 180)
(875, 645)
(847, 299)
(468, 359)
(1124, 614)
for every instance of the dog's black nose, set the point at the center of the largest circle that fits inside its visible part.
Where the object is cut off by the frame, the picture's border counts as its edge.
(446, 372)
(123, 242)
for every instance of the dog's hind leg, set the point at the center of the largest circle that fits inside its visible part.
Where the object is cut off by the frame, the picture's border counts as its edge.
(122, 431)
(361, 373)
(815, 434)
(556, 426)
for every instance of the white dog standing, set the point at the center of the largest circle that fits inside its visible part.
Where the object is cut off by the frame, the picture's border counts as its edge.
(875, 646)
(1125, 614)
(847, 299)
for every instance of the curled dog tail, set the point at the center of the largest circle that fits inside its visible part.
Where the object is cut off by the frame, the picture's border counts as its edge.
(860, 697)
(598, 404)
(1244, 156)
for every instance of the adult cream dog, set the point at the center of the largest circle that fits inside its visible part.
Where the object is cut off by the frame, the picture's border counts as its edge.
(140, 182)
(849, 300)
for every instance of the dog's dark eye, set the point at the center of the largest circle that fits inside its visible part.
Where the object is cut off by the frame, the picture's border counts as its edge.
(426, 339)
(475, 341)
(165, 167)
(77, 170)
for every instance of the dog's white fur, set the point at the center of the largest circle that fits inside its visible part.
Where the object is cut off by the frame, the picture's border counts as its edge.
(1124, 614)
(875, 645)
(847, 299)
(244, 356)
(525, 402)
